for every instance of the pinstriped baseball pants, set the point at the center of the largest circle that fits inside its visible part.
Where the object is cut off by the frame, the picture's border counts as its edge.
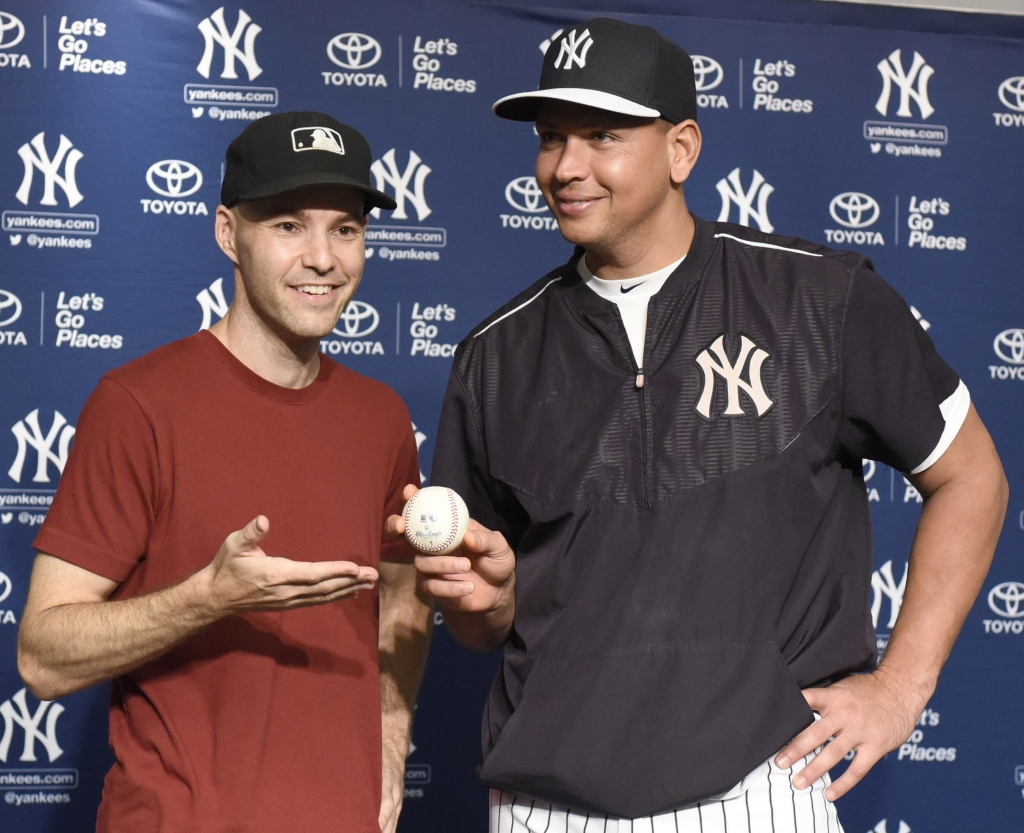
(769, 804)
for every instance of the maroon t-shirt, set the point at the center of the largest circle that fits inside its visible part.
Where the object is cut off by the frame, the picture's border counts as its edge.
(265, 721)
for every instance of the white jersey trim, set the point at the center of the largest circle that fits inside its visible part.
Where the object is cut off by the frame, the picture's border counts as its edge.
(767, 245)
(513, 311)
(954, 412)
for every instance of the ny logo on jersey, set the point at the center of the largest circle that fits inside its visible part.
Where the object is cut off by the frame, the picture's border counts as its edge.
(883, 584)
(30, 724)
(415, 172)
(212, 302)
(60, 432)
(714, 362)
(574, 49)
(34, 155)
(892, 72)
(229, 40)
(731, 190)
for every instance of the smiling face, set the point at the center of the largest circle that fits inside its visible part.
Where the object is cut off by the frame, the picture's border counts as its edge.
(610, 178)
(298, 257)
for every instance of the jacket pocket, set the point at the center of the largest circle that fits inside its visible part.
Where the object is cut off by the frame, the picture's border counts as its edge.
(643, 730)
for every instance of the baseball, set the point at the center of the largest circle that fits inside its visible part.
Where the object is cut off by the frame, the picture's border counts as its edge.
(436, 519)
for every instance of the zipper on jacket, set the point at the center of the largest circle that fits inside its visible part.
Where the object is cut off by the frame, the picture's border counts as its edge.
(644, 449)
(647, 464)
(640, 385)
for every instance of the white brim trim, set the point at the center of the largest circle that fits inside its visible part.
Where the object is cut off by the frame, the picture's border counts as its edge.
(954, 411)
(587, 97)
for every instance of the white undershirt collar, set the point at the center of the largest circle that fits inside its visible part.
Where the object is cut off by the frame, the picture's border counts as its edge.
(630, 295)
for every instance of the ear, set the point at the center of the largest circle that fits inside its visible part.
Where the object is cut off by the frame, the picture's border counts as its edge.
(684, 143)
(224, 230)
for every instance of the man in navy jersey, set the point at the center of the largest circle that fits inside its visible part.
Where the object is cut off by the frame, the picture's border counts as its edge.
(661, 444)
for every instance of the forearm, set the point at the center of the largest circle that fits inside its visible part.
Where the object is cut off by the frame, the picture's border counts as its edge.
(68, 647)
(405, 625)
(956, 539)
(71, 636)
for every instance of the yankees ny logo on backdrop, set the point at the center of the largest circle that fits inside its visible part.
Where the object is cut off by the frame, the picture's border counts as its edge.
(415, 172)
(714, 362)
(212, 302)
(730, 188)
(30, 724)
(574, 50)
(229, 40)
(884, 585)
(892, 73)
(60, 432)
(34, 155)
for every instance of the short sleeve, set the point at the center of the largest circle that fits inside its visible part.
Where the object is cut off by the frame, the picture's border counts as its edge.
(460, 463)
(105, 504)
(902, 404)
(405, 471)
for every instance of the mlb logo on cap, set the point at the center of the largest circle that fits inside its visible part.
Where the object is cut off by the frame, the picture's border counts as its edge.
(317, 138)
(260, 164)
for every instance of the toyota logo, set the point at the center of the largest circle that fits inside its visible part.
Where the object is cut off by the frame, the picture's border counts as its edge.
(703, 67)
(855, 206)
(1007, 599)
(1013, 88)
(8, 22)
(1009, 346)
(175, 173)
(355, 46)
(358, 319)
(5, 587)
(10, 308)
(524, 194)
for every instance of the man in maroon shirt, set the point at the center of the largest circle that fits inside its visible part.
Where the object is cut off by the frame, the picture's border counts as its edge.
(246, 689)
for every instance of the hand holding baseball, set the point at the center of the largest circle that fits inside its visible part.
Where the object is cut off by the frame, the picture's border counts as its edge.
(478, 576)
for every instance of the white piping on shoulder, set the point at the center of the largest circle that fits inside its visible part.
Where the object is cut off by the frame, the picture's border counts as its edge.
(513, 311)
(767, 245)
(954, 412)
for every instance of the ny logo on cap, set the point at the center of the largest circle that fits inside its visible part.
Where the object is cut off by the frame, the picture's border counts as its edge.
(317, 138)
(574, 50)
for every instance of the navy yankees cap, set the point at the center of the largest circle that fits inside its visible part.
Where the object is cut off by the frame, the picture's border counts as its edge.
(614, 66)
(286, 151)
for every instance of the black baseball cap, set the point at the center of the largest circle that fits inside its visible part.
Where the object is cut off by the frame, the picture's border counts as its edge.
(611, 65)
(285, 151)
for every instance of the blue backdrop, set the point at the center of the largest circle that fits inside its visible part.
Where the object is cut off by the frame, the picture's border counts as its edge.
(897, 134)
